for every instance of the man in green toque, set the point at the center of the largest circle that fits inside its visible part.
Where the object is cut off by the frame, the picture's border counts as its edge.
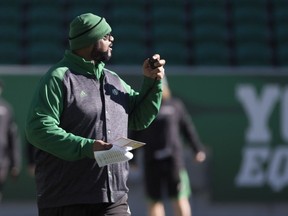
(80, 107)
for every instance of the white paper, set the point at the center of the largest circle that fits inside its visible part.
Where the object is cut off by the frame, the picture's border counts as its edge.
(118, 153)
(125, 142)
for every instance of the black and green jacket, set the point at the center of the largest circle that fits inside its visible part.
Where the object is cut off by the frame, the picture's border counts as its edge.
(76, 103)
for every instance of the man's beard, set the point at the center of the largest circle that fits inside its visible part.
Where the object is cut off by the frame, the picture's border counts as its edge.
(99, 56)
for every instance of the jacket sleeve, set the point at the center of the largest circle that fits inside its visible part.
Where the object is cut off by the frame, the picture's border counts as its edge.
(42, 125)
(187, 127)
(14, 145)
(144, 105)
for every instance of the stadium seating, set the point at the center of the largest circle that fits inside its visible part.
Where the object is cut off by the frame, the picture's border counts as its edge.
(129, 53)
(130, 14)
(282, 54)
(211, 54)
(208, 15)
(11, 33)
(10, 14)
(43, 53)
(209, 33)
(194, 29)
(10, 52)
(169, 33)
(251, 32)
(253, 54)
(175, 53)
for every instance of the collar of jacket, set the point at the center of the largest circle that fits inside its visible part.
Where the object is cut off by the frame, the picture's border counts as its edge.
(83, 66)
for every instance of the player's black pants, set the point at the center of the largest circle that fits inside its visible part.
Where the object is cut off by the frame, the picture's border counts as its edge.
(119, 208)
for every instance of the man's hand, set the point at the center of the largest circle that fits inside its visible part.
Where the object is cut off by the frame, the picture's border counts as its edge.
(100, 145)
(200, 156)
(157, 72)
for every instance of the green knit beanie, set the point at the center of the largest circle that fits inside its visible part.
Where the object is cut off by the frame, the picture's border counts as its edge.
(86, 29)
